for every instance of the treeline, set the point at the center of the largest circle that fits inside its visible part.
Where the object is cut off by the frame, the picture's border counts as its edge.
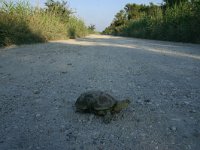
(174, 20)
(21, 23)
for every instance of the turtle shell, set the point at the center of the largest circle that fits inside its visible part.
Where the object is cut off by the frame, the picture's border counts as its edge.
(95, 101)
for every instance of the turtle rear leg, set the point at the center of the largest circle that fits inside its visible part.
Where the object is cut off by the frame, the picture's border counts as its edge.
(107, 118)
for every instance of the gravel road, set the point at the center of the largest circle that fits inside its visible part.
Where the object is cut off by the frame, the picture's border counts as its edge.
(40, 83)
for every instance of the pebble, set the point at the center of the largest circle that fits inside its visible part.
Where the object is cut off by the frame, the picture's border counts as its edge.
(192, 111)
(173, 128)
(38, 100)
(163, 93)
(37, 115)
(176, 119)
(147, 100)
(139, 102)
(96, 135)
(64, 72)
(36, 92)
(129, 84)
(186, 102)
(22, 117)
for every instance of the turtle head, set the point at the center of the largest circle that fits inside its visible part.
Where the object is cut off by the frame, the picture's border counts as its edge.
(121, 105)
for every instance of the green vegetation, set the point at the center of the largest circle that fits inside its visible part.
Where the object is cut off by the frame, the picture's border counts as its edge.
(175, 20)
(92, 28)
(22, 24)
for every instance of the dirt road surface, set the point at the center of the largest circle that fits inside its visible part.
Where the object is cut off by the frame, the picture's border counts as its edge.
(40, 83)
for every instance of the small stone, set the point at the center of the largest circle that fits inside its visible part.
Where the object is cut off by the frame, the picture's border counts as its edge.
(176, 119)
(173, 128)
(36, 92)
(138, 120)
(192, 111)
(129, 84)
(64, 72)
(37, 115)
(147, 100)
(163, 93)
(96, 135)
(186, 102)
(189, 147)
(140, 102)
(41, 131)
(69, 64)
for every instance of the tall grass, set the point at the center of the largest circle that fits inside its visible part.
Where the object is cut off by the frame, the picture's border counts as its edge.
(20, 23)
(177, 23)
(76, 28)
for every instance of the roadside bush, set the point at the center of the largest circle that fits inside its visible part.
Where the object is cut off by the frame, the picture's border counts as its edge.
(177, 22)
(22, 24)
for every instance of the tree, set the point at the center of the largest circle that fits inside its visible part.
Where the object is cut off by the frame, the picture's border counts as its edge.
(120, 18)
(60, 9)
(92, 27)
(132, 11)
(173, 2)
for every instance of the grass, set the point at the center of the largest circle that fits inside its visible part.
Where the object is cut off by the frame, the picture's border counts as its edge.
(22, 24)
(177, 23)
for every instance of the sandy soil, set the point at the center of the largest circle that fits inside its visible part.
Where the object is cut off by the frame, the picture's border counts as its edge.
(40, 83)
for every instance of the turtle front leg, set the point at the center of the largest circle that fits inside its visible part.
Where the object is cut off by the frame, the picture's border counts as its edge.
(107, 118)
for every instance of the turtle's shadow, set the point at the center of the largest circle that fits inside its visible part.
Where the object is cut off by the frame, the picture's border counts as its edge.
(87, 116)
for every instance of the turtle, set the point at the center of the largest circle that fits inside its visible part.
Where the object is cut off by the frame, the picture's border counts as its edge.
(100, 103)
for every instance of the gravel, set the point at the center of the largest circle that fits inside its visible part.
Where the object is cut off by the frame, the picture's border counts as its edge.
(40, 83)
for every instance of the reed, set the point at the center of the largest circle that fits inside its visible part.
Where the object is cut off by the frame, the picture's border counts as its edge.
(20, 23)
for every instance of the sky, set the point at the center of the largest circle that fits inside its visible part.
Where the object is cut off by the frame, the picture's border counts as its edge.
(99, 12)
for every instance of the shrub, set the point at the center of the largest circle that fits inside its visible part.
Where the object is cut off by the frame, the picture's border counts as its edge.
(177, 22)
(21, 24)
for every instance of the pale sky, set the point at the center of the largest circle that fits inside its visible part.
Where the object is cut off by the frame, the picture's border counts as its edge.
(98, 12)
